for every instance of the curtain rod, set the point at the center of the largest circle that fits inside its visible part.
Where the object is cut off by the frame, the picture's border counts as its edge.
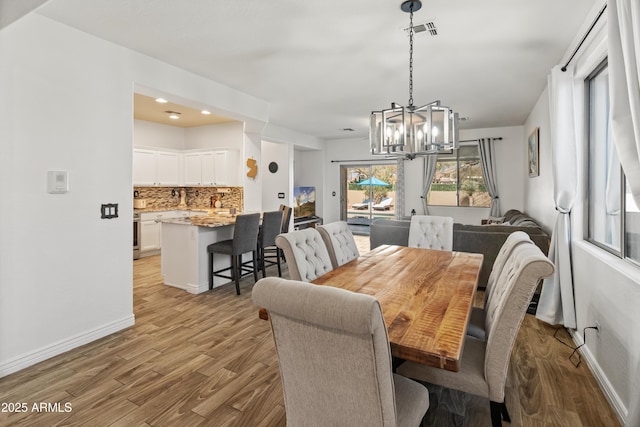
(396, 158)
(593, 24)
(367, 160)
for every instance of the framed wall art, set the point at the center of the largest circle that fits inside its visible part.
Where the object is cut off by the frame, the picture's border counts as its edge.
(533, 149)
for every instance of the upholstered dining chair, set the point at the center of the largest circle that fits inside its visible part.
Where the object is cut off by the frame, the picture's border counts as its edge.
(485, 364)
(476, 327)
(340, 243)
(268, 252)
(334, 358)
(431, 232)
(306, 254)
(245, 239)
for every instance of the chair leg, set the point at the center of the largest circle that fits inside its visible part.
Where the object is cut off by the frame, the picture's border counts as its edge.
(263, 265)
(254, 254)
(236, 273)
(498, 413)
(210, 270)
(504, 412)
(278, 262)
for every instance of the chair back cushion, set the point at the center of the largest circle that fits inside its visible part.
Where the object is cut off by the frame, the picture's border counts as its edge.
(340, 243)
(307, 256)
(270, 228)
(506, 308)
(333, 352)
(431, 232)
(516, 238)
(245, 233)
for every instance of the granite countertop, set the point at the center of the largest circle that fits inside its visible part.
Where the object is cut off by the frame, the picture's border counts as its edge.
(212, 220)
(176, 208)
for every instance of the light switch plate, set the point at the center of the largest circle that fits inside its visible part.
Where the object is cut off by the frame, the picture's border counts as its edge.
(57, 182)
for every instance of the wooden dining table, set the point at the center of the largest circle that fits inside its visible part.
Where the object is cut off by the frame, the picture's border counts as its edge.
(425, 295)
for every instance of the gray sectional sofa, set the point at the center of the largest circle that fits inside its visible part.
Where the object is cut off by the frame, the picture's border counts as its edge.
(483, 239)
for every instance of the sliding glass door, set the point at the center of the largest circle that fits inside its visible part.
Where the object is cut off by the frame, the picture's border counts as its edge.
(368, 193)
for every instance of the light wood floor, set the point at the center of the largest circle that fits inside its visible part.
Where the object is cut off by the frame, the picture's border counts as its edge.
(208, 360)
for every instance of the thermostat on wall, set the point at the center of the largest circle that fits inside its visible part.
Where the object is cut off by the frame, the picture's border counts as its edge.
(57, 182)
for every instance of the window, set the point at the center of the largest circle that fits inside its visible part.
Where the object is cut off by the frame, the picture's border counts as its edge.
(614, 218)
(458, 180)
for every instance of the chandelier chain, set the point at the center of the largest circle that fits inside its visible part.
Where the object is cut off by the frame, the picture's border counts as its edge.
(411, 55)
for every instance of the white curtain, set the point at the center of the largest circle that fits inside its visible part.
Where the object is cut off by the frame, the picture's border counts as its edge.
(612, 196)
(624, 96)
(488, 160)
(556, 305)
(429, 172)
(400, 189)
(624, 86)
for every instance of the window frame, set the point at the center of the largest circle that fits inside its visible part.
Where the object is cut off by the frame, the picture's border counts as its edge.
(458, 182)
(587, 232)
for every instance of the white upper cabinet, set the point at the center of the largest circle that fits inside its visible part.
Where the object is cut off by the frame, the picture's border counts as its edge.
(144, 167)
(153, 167)
(210, 168)
(192, 169)
(168, 168)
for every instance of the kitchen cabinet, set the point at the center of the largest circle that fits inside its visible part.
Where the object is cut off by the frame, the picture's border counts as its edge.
(192, 169)
(155, 167)
(151, 231)
(150, 236)
(210, 168)
(168, 164)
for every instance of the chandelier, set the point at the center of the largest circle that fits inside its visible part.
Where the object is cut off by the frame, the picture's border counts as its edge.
(413, 131)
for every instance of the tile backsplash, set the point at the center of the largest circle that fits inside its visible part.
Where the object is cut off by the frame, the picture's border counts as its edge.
(197, 197)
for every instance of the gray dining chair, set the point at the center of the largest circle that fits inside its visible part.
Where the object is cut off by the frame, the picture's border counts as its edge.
(340, 243)
(485, 364)
(245, 239)
(306, 254)
(476, 327)
(334, 358)
(431, 232)
(268, 252)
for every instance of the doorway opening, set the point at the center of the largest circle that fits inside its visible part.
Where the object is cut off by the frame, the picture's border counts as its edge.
(368, 193)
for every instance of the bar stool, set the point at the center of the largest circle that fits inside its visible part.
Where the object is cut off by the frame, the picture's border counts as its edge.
(267, 250)
(286, 217)
(245, 239)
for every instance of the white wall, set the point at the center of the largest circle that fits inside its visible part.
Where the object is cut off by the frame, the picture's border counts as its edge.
(252, 148)
(227, 136)
(149, 134)
(309, 170)
(509, 154)
(279, 182)
(538, 200)
(606, 288)
(67, 104)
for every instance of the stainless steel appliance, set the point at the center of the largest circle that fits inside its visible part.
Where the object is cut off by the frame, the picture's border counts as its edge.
(136, 235)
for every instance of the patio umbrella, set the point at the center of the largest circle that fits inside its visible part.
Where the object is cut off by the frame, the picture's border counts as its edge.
(374, 181)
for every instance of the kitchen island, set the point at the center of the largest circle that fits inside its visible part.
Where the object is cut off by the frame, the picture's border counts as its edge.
(184, 258)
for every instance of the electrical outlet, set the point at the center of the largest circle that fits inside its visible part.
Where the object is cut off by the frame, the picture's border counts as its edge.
(599, 328)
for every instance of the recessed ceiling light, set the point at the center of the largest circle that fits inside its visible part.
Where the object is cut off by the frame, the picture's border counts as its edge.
(161, 100)
(174, 117)
(205, 112)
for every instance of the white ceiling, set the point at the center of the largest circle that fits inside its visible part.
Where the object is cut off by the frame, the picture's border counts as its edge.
(323, 65)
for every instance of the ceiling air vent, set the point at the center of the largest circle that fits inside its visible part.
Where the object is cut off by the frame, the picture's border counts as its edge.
(429, 27)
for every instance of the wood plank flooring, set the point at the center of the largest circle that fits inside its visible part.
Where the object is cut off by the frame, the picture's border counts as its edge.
(208, 360)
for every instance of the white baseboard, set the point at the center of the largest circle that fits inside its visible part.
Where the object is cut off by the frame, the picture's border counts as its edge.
(608, 390)
(44, 353)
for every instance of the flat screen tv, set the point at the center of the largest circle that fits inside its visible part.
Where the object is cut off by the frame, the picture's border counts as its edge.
(304, 202)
